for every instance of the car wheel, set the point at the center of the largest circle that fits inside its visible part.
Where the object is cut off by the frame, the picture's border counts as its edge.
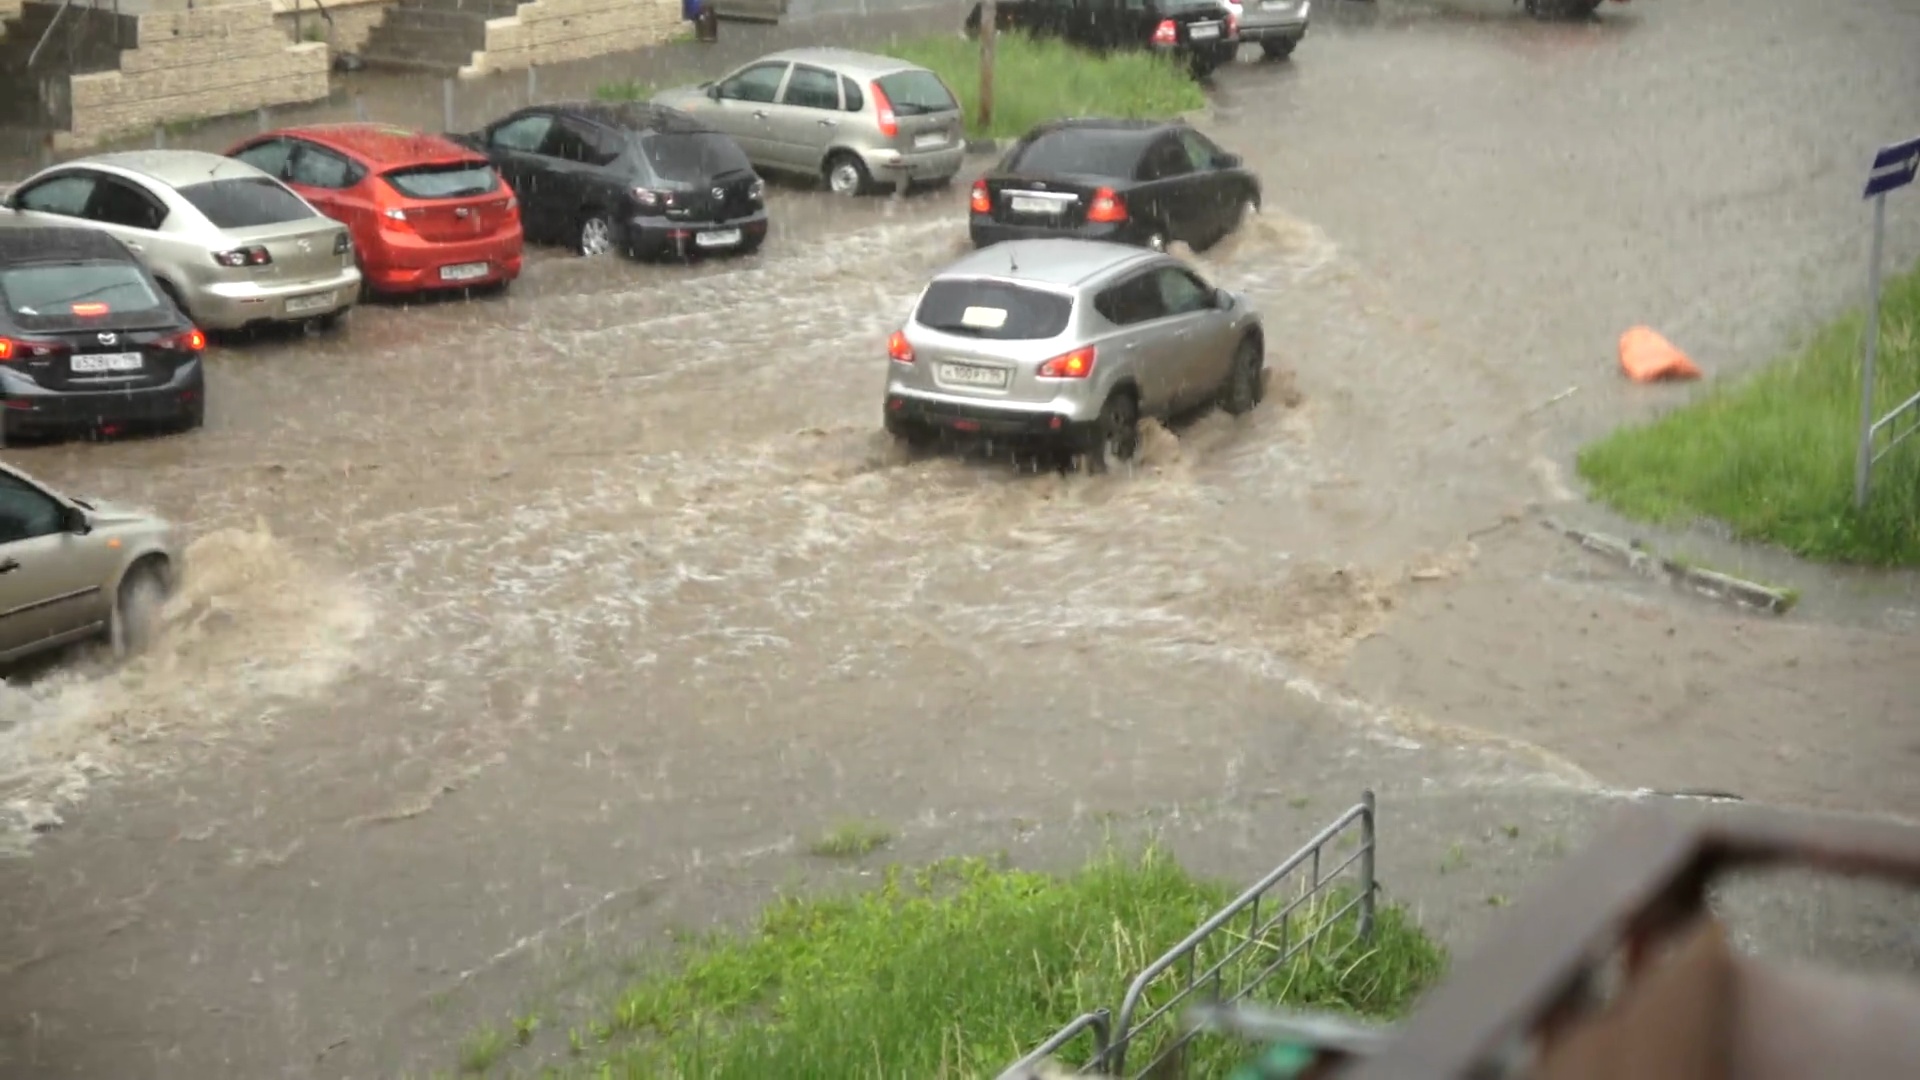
(595, 235)
(1242, 390)
(915, 436)
(1115, 438)
(136, 609)
(1278, 50)
(847, 175)
(332, 320)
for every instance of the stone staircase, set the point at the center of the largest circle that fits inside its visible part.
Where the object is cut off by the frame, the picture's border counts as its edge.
(473, 37)
(86, 38)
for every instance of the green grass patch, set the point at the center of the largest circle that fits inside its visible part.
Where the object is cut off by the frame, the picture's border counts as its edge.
(625, 90)
(851, 840)
(961, 968)
(1772, 456)
(1036, 80)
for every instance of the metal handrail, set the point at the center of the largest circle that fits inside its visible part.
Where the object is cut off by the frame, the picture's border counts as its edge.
(48, 32)
(1098, 1021)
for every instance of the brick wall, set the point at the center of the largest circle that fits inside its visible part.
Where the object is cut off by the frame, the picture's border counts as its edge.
(207, 61)
(550, 31)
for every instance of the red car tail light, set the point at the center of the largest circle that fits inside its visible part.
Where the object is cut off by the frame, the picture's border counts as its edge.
(1167, 33)
(1233, 25)
(889, 124)
(7, 349)
(12, 349)
(897, 348)
(980, 202)
(246, 256)
(187, 340)
(394, 217)
(1107, 207)
(1077, 364)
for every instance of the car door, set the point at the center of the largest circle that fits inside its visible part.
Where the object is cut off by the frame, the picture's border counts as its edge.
(132, 214)
(326, 178)
(806, 119)
(1166, 175)
(50, 579)
(59, 199)
(1196, 334)
(1141, 341)
(743, 108)
(269, 155)
(575, 157)
(513, 145)
(1215, 187)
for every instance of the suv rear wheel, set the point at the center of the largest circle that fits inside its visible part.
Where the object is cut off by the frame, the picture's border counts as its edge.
(1115, 437)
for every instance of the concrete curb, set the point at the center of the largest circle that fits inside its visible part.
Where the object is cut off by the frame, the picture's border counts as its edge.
(1709, 583)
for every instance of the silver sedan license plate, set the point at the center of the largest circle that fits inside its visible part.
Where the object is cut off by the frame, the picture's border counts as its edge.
(300, 305)
(973, 375)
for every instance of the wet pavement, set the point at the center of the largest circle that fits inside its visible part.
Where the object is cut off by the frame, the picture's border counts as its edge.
(508, 613)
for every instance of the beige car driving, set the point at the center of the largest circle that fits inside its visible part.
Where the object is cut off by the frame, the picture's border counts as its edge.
(72, 570)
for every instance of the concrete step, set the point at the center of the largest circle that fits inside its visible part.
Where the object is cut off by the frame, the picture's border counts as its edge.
(485, 9)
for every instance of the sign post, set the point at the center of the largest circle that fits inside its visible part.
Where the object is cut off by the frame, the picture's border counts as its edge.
(1893, 167)
(989, 19)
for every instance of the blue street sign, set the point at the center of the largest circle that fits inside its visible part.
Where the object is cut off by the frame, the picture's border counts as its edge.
(1893, 167)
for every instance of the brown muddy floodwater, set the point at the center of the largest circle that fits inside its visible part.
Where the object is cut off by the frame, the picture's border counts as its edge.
(496, 608)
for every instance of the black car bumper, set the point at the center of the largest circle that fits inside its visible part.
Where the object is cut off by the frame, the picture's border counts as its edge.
(28, 409)
(651, 236)
(1210, 52)
(968, 420)
(984, 230)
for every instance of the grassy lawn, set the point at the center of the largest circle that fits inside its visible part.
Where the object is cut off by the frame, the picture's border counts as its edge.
(956, 971)
(1039, 80)
(1772, 455)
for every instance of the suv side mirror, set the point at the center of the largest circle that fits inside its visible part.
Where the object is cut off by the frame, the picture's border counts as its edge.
(74, 520)
(713, 91)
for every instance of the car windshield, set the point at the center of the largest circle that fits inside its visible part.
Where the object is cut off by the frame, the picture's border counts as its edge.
(916, 93)
(246, 202)
(691, 158)
(451, 180)
(1087, 151)
(996, 310)
(52, 290)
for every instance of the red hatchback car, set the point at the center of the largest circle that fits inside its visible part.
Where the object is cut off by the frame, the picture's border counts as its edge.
(425, 212)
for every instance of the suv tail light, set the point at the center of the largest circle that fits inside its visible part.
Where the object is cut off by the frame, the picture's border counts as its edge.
(246, 256)
(186, 341)
(1107, 207)
(889, 124)
(1077, 364)
(897, 348)
(980, 202)
(1167, 33)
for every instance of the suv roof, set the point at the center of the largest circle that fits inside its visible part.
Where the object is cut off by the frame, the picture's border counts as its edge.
(850, 62)
(635, 116)
(58, 243)
(382, 145)
(1061, 263)
(173, 168)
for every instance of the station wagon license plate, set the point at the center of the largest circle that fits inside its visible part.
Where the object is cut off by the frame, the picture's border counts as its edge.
(300, 305)
(973, 375)
(97, 362)
(929, 139)
(717, 238)
(463, 272)
(1026, 205)
(1203, 31)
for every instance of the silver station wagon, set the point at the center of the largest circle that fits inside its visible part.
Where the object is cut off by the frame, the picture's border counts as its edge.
(231, 245)
(857, 120)
(1069, 342)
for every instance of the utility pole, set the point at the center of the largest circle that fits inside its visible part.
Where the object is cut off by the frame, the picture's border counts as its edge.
(989, 20)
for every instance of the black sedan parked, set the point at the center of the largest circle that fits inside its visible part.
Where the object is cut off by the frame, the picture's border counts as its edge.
(1201, 33)
(88, 340)
(642, 179)
(1131, 181)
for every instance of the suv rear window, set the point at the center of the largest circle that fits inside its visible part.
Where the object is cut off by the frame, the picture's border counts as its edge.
(692, 158)
(916, 93)
(448, 181)
(996, 310)
(246, 202)
(1089, 151)
(50, 290)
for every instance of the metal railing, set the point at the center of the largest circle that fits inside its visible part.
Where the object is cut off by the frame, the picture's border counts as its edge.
(1189, 974)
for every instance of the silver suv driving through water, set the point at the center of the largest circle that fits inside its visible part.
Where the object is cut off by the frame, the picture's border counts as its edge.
(1069, 342)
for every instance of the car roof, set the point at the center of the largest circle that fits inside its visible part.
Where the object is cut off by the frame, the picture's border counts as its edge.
(173, 168)
(636, 116)
(381, 145)
(851, 62)
(1142, 129)
(1061, 263)
(58, 243)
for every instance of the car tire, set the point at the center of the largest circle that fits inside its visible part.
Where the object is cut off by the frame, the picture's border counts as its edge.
(1202, 66)
(1115, 438)
(914, 436)
(1278, 50)
(1243, 390)
(846, 175)
(333, 320)
(593, 235)
(136, 609)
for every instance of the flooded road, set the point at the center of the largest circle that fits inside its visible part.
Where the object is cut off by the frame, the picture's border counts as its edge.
(498, 608)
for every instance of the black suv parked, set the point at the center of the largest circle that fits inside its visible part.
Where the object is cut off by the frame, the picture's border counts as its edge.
(641, 179)
(1203, 33)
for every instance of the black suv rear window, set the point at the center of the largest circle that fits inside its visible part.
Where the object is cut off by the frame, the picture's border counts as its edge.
(449, 181)
(1088, 151)
(916, 93)
(692, 158)
(995, 310)
(246, 202)
(50, 290)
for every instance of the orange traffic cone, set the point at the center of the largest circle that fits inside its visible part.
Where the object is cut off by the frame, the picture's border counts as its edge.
(1647, 357)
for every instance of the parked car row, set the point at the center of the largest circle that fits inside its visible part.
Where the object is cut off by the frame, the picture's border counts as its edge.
(1202, 34)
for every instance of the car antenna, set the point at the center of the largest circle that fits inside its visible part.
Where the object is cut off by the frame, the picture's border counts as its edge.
(1013, 263)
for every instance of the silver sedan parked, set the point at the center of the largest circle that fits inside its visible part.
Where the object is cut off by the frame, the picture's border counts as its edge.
(232, 245)
(857, 120)
(1069, 342)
